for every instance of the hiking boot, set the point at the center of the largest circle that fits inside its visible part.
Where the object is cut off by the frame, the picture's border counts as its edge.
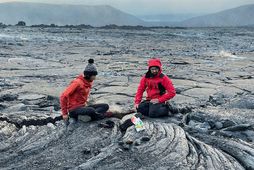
(124, 126)
(84, 118)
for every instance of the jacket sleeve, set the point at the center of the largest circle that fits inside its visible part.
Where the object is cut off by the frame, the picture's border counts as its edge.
(167, 83)
(140, 91)
(65, 95)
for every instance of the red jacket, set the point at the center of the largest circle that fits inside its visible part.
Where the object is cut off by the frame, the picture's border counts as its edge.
(151, 85)
(75, 95)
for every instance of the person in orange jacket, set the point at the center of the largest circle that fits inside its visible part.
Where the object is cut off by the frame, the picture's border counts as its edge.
(73, 100)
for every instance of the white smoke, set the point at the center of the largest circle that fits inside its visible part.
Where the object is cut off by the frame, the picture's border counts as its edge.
(229, 55)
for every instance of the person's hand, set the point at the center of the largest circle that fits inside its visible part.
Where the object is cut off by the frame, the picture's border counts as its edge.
(65, 117)
(154, 101)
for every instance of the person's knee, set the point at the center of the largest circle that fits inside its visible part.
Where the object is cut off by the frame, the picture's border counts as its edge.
(144, 104)
(163, 112)
(139, 110)
(106, 106)
(102, 107)
(89, 111)
(143, 111)
(158, 112)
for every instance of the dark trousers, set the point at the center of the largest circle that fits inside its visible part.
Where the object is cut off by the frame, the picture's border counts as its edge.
(149, 109)
(95, 111)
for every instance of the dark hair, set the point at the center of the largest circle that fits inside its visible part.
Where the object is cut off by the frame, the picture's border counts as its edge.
(162, 89)
(87, 77)
(149, 74)
(89, 74)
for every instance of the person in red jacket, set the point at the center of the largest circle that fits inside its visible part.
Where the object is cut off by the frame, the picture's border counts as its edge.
(73, 100)
(159, 89)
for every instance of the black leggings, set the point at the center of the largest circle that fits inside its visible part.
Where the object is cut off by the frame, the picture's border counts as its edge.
(95, 111)
(149, 109)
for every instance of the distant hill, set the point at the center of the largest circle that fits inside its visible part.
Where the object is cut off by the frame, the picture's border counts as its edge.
(101, 15)
(167, 17)
(240, 16)
(38, 13)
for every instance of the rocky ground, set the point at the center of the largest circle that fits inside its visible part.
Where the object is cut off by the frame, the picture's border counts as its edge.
(211, 127)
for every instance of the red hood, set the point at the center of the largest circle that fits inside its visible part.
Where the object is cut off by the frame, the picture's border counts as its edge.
(155, 62)
(87, 83)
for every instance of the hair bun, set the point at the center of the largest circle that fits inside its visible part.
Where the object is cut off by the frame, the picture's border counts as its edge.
(91, 61)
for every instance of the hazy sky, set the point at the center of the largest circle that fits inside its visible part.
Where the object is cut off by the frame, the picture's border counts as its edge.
(150, 7)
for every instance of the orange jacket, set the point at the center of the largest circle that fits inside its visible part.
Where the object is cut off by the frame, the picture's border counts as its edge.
(75, 95)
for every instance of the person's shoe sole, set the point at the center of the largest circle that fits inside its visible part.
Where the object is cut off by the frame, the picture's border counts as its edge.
(84, 118)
